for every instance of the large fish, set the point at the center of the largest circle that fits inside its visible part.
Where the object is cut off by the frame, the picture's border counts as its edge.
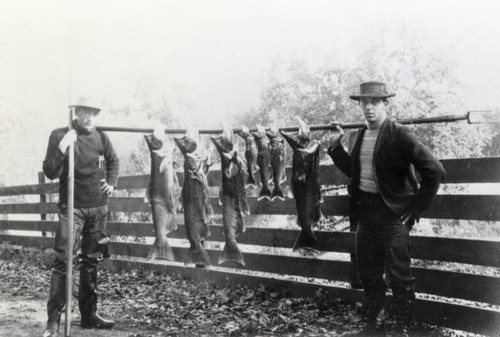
(250, 154)
(163, 195)
(197, 209)
(277, 151)
(263, 161)
(233, 197)
(305, 183)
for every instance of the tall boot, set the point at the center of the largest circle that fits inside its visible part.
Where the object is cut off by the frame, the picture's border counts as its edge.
(56, 303)
(403, 312)
(375, 313)
(87, 300)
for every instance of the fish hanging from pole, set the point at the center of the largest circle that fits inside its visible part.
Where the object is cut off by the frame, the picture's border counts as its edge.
(232, 195)
(263, 161)
(277, 153)
(198, 212)
(305, 183)
(250, 155)
(162, 194)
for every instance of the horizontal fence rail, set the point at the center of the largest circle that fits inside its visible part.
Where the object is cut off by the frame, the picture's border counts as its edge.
(475, 252)
(467, 207)
(458, 171)
(267, 250)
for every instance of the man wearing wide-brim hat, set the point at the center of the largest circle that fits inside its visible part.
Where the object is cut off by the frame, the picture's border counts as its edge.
(385, 201)
(95, 176)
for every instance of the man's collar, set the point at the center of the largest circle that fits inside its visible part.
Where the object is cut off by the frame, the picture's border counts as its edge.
(378, 127)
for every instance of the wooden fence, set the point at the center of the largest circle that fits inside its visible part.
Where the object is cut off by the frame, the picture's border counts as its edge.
(444, 287)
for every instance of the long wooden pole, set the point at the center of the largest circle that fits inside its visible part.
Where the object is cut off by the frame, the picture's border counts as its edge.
(69, 248)
(332, 126)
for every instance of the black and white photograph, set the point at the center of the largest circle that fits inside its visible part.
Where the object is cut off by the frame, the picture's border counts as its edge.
(250, 168)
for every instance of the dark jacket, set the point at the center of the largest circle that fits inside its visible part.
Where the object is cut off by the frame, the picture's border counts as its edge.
(90, 149)
(397, 153)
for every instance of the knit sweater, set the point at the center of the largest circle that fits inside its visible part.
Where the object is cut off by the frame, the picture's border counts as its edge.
(90, 148)
(366, 178)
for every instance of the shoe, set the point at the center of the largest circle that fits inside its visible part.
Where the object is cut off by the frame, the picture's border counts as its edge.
(97, 322)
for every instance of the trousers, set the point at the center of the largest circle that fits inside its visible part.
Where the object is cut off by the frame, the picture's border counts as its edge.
(89, 241)
(382, 245)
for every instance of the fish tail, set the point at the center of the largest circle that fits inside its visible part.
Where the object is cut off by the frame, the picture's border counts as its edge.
(278, 193)
(199, 256)
(161, 250)
(306, 238)
(265, 192)
(231, 252)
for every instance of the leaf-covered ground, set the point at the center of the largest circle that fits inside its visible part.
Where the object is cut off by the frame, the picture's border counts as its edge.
(150, 304)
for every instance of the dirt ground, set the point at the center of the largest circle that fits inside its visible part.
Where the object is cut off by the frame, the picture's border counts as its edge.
(27, 317)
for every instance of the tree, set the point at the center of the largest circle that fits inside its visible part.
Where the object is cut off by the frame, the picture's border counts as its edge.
(424, 82)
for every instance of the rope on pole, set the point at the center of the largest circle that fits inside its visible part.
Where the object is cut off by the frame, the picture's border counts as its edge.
(471, 117)
(69, 248)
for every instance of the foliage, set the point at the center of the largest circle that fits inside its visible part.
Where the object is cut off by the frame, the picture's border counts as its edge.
(424, 82)
(492, 147)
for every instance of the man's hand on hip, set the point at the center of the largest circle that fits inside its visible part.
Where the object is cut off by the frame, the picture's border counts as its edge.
(105, 188)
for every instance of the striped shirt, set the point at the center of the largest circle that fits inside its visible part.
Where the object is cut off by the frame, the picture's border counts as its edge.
(367, 180)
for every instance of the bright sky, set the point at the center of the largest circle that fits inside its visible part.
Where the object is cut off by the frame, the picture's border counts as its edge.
(212, 55)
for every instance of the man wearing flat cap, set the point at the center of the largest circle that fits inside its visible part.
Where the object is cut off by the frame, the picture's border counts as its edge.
(385, 200)
(95, 176)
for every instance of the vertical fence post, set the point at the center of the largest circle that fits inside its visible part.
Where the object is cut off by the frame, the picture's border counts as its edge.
(355, 280)
(43, 197)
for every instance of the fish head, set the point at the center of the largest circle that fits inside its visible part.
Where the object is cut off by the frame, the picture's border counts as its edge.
(260, 133)
(273, 132)
(244, 132)
(224, 143)
(186, 144)
(154, 143)
(292, 139)
(154, 140)
(300, 139)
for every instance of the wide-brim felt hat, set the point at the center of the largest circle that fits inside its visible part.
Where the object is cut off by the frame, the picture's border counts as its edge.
(87, 102)
(372, 89)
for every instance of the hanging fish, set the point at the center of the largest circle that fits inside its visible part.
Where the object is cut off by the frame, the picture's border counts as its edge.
(250, 155)
(277, 152)
(162, 194)
(198, 212)
(233, 197)
(305, 183)
(263, 161)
